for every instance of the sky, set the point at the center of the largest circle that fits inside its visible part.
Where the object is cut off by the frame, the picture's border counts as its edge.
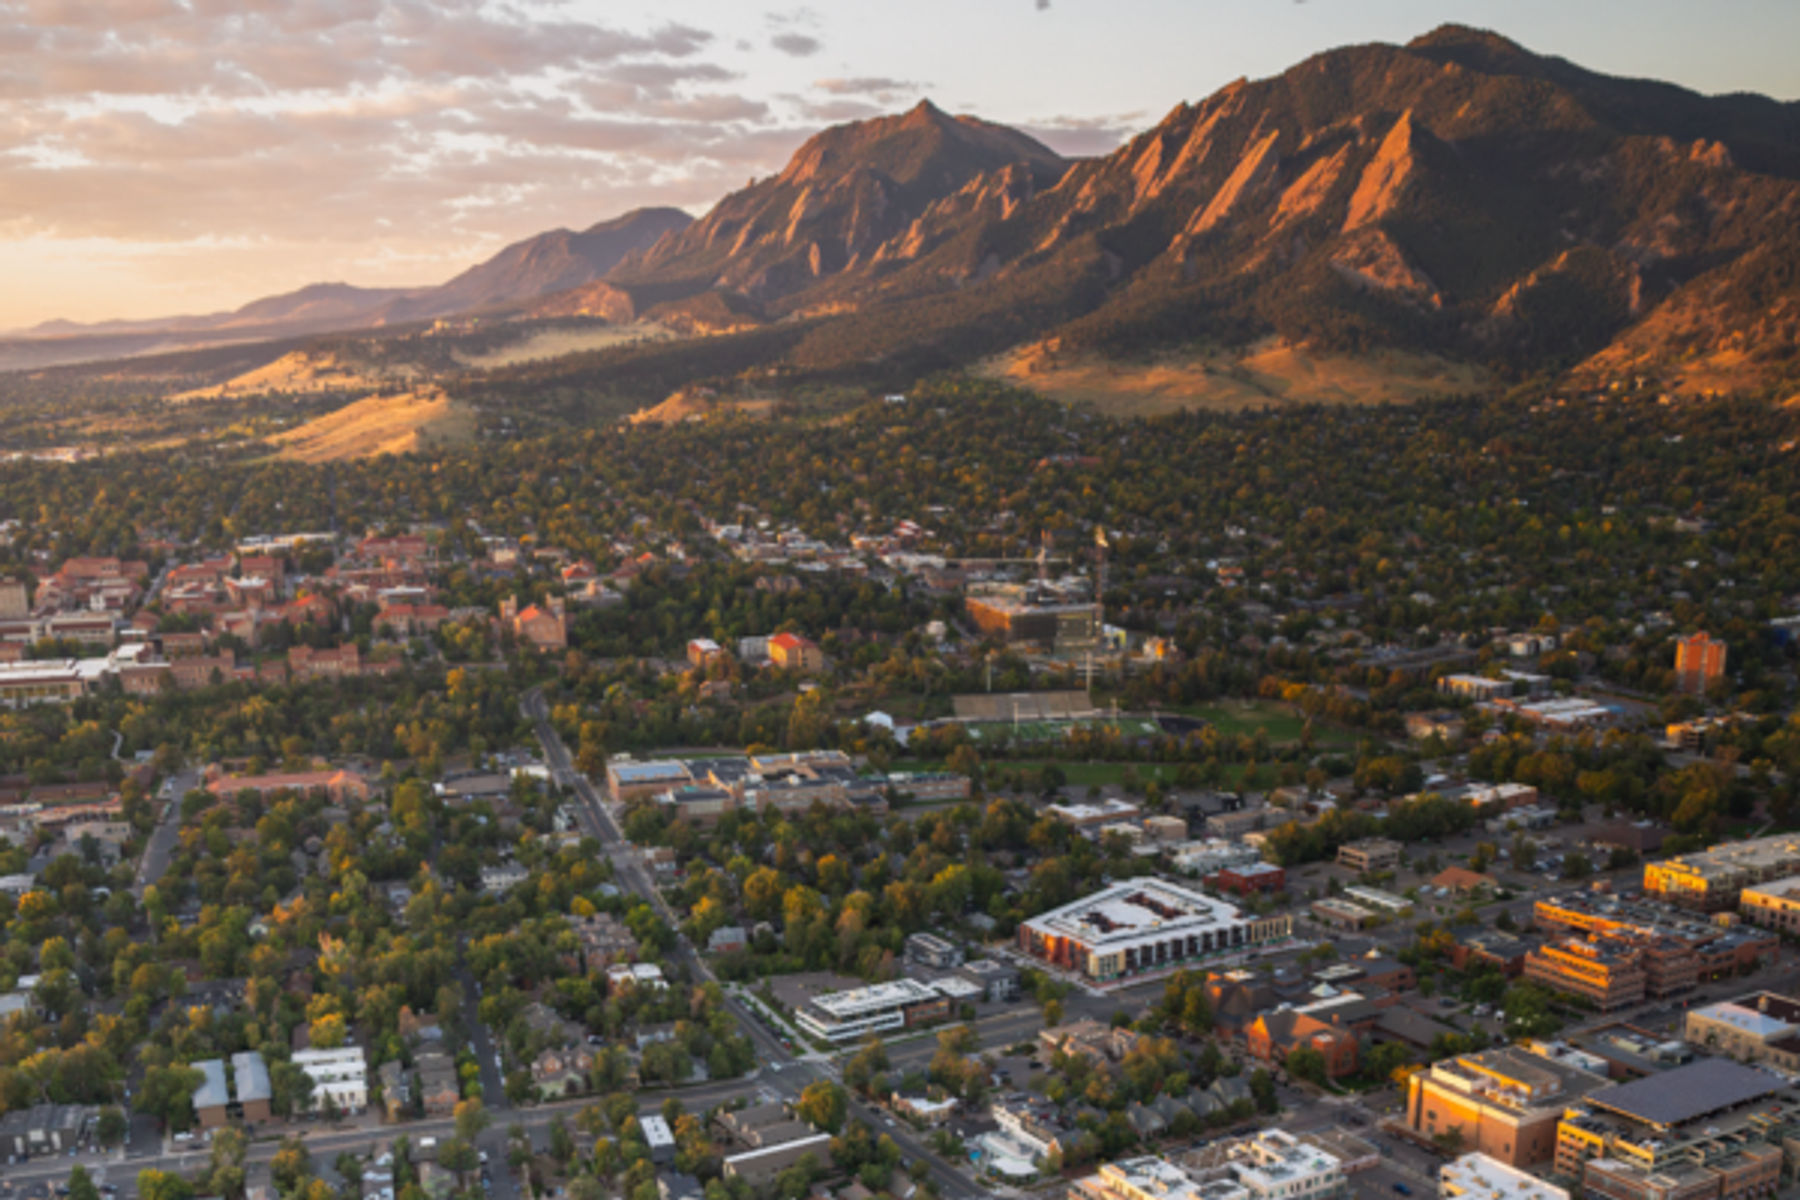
(173, 156)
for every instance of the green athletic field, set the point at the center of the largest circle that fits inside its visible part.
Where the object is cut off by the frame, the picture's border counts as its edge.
(1050, 731)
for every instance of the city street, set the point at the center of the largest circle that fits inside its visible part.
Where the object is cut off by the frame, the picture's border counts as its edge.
(167, 834)
(787, 1076)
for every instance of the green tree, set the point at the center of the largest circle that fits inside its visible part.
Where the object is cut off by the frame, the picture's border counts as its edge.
(81, 1184)
(458, 1155)
(112, 1126)
(1262, 1090)
(153, 1184)
(291, 1163)
(225, 1172)
(167, 1093)
(1305, 1062)
(290, 1088)
(824, 1105)
(470, 1118)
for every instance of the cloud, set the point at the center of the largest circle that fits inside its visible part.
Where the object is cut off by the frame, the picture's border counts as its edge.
(803, 16)
(868, 85)
(798, 45)
(251, 146)
(834, 111)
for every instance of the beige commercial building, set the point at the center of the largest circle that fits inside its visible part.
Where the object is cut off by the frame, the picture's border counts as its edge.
(1506, 1102)
(1774, 905)
(1760, 1027)
(1713, 879)
(1370, 854)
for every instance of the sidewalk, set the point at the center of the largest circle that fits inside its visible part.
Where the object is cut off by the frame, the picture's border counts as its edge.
(781, 1026)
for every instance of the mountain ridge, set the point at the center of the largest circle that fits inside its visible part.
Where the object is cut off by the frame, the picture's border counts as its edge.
(1457, 196)
(552, 261)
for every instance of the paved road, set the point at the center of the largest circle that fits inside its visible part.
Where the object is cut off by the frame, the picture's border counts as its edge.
(326, 1143)
(493, 1083)
(998, 1031)
(788, 1077)
(167, 834)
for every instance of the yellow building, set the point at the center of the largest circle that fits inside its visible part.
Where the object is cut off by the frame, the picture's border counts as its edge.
(1712, 879)
(1773, 905)
(1609, 977)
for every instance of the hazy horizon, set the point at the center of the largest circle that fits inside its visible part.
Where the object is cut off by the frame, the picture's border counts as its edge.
(188, 156)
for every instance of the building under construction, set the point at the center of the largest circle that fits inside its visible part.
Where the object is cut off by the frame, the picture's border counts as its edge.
(1050, 617)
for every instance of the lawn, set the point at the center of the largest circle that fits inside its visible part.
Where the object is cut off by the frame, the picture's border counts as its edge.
(1082, 774)
(1280, 722)
(1050, 731)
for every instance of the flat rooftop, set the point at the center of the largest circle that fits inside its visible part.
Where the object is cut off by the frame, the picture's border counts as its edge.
(1687, 1093)
(1516, 1077)
(1740, 1015)
(1482, 1178)
(1133, 909)
(1778, 889)
(647, 772)
(1729, 857)
(38, 671)
(860, 1002)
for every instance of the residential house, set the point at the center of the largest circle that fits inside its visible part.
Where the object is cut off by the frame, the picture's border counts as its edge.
(212, 1099)
(726, 939)
(439, 1089)
(396, 1088)
(1030, 1127)
(604, 940)
(251, 1088)
(791, 652)
(43, 1129)
(1462, 881)
(562, 1071)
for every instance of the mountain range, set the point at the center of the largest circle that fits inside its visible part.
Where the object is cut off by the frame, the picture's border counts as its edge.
(1458, 195)
(552, 262)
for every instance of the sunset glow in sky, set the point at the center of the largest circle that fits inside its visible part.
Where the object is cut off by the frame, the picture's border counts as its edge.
(164, 156)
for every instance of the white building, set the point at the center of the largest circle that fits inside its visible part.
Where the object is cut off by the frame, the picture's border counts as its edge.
(1479, 1177)
(1146, 1178)
(1276, 1164)
(340, 1077)
(848, 1016)
(1273, 1165)
(658, 1138)
(503, 878)
(1213, 855)
(1380, 901)
(1144, 924)
(627, 975)
(1082, 816)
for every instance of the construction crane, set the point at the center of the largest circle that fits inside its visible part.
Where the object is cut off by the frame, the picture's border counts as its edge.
(1043, 558)
(1101, 546)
